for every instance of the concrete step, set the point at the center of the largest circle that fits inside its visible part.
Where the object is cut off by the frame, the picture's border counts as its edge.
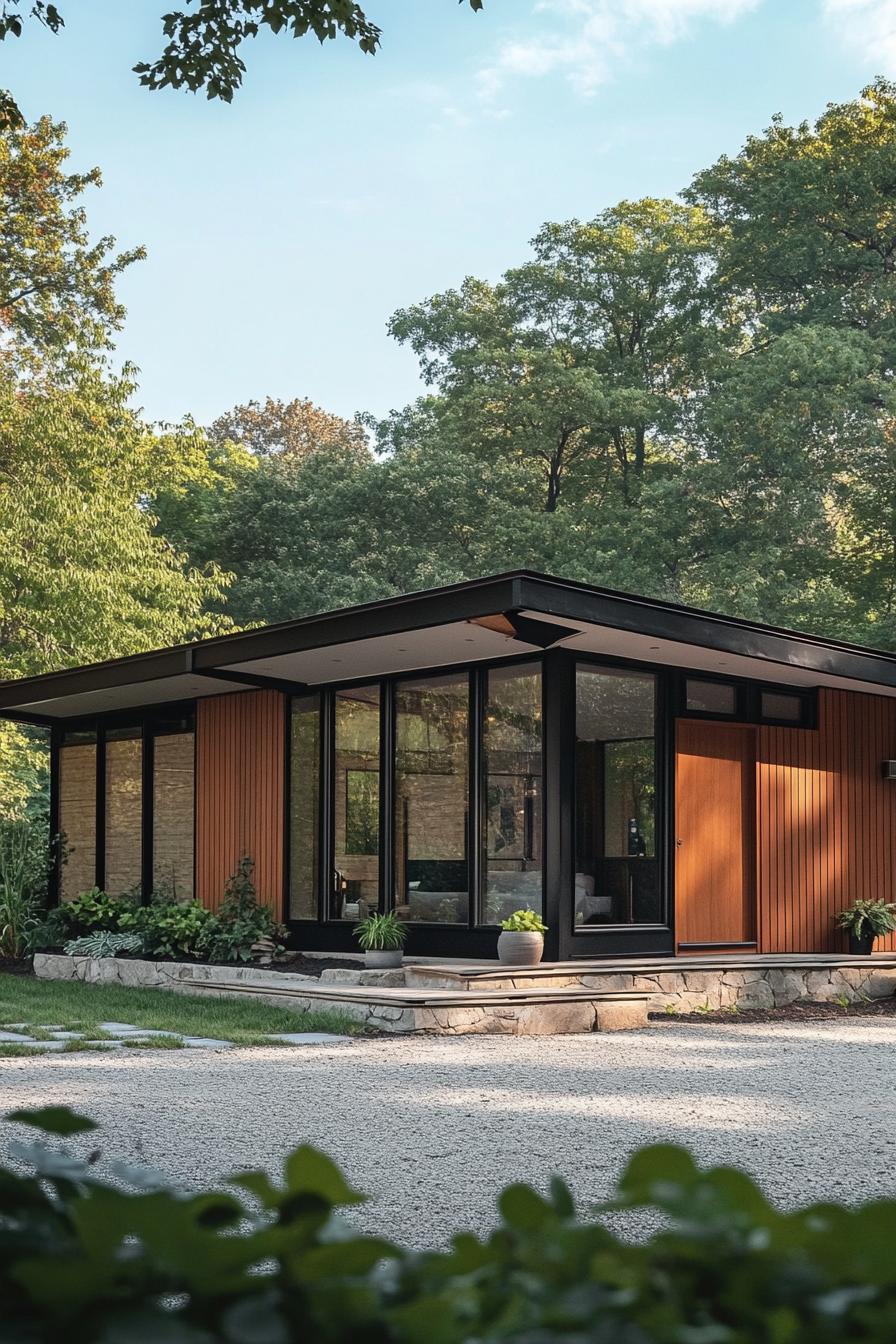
(542, 1011)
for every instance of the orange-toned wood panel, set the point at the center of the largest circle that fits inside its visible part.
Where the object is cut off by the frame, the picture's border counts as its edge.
(240, 746)
(825, 820)
(714, 864)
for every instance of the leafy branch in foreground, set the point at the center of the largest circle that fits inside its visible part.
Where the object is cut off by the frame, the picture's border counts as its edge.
(124, 1255)
(203, 45)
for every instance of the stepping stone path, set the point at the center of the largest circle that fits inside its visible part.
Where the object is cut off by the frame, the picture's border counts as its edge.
(117, 1034)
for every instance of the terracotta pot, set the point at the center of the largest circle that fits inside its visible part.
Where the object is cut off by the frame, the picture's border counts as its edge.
(382, 961)
(520, 949)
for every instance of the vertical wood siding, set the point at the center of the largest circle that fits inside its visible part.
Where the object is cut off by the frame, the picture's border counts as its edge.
(240, 745)
(825, 821)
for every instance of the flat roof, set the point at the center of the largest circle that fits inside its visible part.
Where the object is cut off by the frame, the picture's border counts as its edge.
(490, 618)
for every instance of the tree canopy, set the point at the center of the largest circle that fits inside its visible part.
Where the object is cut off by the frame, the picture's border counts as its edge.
(691, 399)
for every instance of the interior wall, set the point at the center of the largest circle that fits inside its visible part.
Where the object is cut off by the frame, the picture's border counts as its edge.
(240, 777)
(826, 821)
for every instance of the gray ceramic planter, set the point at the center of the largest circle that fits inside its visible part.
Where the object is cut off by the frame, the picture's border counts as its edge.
(382, 961)
(520, 949)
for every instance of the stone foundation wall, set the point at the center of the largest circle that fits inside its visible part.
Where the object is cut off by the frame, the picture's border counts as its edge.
(686, 991)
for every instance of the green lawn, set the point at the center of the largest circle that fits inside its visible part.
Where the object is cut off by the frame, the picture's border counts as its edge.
(79, 1007)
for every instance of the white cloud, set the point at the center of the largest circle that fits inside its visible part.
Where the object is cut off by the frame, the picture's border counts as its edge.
(583, 41)
(868, 26)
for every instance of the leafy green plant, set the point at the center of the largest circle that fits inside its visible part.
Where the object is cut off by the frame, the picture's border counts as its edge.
(24, 863)
(524, 921)
(381, 933)
(241, 922)
(864, 918)
(104, 944)
(169, 928)
(90, 912)
(90, 1257)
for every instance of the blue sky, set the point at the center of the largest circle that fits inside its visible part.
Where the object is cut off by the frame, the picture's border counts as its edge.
(283, 230)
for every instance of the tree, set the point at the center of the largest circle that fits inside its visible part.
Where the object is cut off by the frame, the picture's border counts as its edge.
(294, 428)
(581, 358)
(56, 287)
(203, 48)
(83, 575)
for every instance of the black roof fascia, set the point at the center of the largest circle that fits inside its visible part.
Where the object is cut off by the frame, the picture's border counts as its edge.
(689, 625)
(391, 615)
(518, 591)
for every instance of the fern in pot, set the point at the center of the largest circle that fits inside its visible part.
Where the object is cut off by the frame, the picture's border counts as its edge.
(521, 940)
(382, 938)
(866, 920)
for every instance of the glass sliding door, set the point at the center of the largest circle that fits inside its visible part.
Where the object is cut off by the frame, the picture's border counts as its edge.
(512, 772)
(304, 808)
(356, 803)
(616, 868)
(432, 723)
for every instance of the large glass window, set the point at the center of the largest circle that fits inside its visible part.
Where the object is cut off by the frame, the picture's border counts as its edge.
(77, 813)
(124, 810)
(304, 843)
(432, 799)
(172, 803)
(511, 748)
(617, 877)
(356, 807)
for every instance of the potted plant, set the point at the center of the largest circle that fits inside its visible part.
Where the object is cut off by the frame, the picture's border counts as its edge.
(866, 920)
(521, 940)
(382, 937)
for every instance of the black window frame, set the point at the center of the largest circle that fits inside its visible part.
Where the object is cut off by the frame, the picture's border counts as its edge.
(748, 699)
(477, 677)
(148, 723)
(577, 935)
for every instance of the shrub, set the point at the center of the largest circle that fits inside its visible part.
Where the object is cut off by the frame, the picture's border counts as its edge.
(381, 933)
(92, 911)
(524, 921)
(230, 934)
(24, 869)
(169, 928)
(104, 945)
(89, 1258)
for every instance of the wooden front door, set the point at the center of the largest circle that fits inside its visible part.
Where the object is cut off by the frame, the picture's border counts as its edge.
(715, 767)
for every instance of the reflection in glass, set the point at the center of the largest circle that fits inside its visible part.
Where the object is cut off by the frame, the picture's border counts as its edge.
(511, 749)
(616, 879)
(304, 807)
(172, 831)
(356, 814)
(124, 811)
(77, 817)
(431, 794)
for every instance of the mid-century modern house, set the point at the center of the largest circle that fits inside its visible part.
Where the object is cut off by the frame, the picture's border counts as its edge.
(654, 779)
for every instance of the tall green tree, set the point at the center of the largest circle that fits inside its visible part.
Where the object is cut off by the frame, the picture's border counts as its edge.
(582, 362)
(57, 286)
(83, 573)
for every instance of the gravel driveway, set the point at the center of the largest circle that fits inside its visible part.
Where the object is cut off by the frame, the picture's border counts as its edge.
(432, 1128)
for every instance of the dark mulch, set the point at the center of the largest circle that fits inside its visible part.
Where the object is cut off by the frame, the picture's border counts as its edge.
(12, 966)
(793, 1012)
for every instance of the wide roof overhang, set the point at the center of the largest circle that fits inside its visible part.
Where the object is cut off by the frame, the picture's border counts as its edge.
(484, 619)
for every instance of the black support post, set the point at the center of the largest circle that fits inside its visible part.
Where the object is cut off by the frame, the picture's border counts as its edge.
(54, 856)
(147, 759)
(559, 726)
